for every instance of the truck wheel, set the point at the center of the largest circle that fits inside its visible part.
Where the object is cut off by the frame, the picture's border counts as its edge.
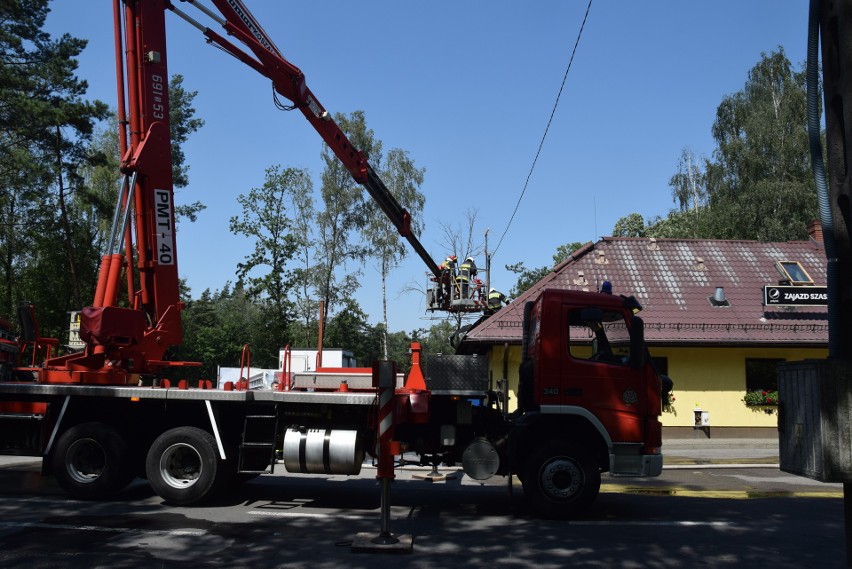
(91, 461)
(560, 480)
(182, 465)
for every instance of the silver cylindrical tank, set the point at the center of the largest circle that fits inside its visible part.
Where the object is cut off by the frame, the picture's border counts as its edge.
(323, 451)
(480, 460)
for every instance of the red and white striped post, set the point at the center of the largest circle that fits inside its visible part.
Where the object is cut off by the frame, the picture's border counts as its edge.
(384, 378)
(384, 381)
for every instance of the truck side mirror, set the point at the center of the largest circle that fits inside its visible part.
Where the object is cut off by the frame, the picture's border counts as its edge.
(637, 343)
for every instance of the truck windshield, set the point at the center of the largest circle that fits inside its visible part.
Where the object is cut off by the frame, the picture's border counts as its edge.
(605, 338)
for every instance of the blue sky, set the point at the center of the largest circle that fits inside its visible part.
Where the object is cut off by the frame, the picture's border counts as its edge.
(466, 88)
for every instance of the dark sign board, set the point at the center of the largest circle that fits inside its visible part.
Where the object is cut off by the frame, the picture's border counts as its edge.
(795, 295)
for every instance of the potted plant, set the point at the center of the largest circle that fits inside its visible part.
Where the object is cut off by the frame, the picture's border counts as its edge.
(764, 399)
(668, 402)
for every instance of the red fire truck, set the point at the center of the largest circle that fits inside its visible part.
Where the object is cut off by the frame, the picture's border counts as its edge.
(589, 397)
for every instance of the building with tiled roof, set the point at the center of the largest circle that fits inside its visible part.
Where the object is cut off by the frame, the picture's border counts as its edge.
(707, 323)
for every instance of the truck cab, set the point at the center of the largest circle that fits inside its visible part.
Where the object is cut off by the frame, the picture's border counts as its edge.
(589, 399)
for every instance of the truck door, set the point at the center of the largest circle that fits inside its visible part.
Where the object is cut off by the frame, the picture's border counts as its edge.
(598, 372)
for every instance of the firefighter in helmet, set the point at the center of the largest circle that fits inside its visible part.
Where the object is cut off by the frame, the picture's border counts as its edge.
(467, 271)
(496, 300)
(448, 273)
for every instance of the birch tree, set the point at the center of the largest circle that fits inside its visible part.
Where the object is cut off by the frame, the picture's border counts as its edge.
(403, 180)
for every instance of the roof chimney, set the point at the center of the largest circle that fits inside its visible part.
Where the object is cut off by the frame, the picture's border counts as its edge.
(815, 230)
(719, 298)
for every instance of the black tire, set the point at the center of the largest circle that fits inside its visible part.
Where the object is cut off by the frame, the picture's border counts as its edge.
(92, 461)
(560, 480)
(182, 465)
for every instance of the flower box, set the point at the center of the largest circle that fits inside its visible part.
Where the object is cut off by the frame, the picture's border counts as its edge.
(760, 397)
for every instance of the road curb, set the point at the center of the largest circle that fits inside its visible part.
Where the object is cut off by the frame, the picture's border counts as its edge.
(697, 465)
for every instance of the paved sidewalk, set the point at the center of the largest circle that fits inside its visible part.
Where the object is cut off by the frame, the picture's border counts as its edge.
(722, 452)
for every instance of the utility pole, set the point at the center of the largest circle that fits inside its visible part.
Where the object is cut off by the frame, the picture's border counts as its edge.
(487, 264)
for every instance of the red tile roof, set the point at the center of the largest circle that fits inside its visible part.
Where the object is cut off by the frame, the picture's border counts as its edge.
(674, 280)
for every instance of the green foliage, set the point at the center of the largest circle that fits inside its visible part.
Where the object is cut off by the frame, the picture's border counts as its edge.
(528, 277)
(761, 397)
(265, 219)
(433, 340)
(349, 329)
(304, 329)
(45, 125)
(632, 225)
(403, 181)
(678, 224)
(217, 325)
(564, 251)
(58, 181)
(758, 185)
(350, 228)
(689, 183)
(399, 350)
(436, 339)
(668, 401)
(182, 123)
(344, 212)
(58, 175)
(101, 175)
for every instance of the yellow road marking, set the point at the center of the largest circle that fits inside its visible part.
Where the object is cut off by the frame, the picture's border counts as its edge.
(717, 494)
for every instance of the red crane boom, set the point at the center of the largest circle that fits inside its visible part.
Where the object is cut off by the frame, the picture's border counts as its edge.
(126, 342)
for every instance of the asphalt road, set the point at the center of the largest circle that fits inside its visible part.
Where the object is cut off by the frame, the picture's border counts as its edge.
(692, 516)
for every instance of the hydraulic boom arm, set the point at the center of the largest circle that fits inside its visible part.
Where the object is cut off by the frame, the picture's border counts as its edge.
(289, 81)
(127, 343)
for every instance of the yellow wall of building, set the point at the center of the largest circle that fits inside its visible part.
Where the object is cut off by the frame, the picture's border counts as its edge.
(495, 365)
(712, 379)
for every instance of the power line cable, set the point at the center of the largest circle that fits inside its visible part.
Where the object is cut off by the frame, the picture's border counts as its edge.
(547, 128)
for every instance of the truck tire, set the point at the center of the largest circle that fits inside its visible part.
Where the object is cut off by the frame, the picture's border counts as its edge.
(182, 465)
(92, 461)
(560, 480)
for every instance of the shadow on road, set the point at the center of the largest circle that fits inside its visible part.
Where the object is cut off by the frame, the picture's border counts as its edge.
(310, 522)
